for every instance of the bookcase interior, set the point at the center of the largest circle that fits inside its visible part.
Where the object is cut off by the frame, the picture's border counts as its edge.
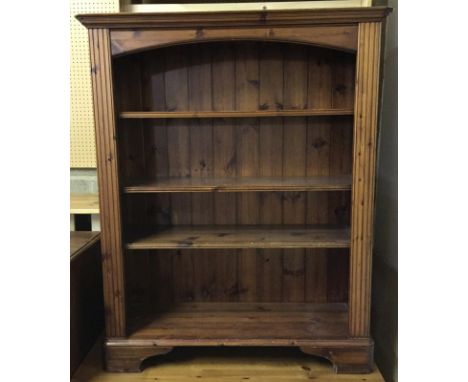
(203, 196)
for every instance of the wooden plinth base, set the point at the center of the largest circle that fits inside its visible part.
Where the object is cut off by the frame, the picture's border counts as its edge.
(127, 358)
(346, 360)
(351, 356)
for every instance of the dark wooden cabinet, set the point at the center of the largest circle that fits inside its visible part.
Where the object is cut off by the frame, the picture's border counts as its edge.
(86, 305)
(236, 165)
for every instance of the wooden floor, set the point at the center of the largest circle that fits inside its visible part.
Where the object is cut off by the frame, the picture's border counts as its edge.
(224, 364)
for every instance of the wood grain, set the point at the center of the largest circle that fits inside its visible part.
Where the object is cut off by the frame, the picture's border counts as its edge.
(365, 141)
(229, 363)
(201, 158)
(240, 323)
(295, 94)
(354, 360)
(80, 241)
(253, 184)
(338, 37)
(222, 147)
(247, 158)
(271, 132)
(84, 204)
(237, 97)
(86, 305)
(233, 114)
(242, 237)
(108, 180)
(225, 273)
(232, 151)
(319, 86)
(289, 18)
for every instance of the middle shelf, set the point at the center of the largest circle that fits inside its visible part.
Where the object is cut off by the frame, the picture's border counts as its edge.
(235, 113)
(235, 237)
(311, 183)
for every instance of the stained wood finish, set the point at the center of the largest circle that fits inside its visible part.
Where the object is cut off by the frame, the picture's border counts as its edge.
(86, 306)
(356, 359)
(80, 241)
(288, 18)
(237, 324)
(337, 37)
(125, 359)
(154, 210)
(232, 275)
(235, 151)
(237, 116)
(247, 64)
(243, 237)
(252, 364)
(365, 138)
(233, 114)
(347, 356)
(108, 180)
(319, 183)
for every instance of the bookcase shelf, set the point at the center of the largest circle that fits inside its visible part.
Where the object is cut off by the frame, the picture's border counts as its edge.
(234, 114)
(231, 237)
(247, 184)
(240, 324)
(236, 166)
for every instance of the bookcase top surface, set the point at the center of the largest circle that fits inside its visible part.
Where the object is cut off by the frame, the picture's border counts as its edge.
(234, 18)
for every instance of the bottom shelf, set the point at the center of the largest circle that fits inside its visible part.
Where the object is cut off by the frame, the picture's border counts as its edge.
(238, 324)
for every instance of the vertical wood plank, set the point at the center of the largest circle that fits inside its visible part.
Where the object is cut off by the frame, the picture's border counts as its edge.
(247, 81)
(176, 91)
(338, 275)
(178, 136)
(364, 156)
(157, 165)
(341, 143)
(162, 278)
(270, 164)
(317, 163)
(201, 157)
(294, 164)
(137, 284)
(155, 131)
(178, 132)
(293, 261)
(201, 142)
(318, 129)
(341, 131)
(109, 199)
(344, 73)
(224, 165)
(128, 96)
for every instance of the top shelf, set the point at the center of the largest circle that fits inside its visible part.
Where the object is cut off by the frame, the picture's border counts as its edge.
(234, 114)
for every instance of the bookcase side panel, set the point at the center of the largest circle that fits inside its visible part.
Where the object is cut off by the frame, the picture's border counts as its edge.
(364, 158)
(109, 199)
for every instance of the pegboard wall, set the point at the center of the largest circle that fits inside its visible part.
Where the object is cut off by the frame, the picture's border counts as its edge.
(82, 143)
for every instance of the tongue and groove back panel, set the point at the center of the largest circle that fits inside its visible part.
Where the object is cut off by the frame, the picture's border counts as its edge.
(243, 76)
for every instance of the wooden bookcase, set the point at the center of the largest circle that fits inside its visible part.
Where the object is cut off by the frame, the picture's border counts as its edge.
(236, 165)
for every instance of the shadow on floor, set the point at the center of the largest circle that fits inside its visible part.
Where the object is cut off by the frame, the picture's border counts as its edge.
(210, 364)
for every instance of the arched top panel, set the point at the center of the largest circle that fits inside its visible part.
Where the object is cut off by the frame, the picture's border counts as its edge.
(247, 77)
(335, 37)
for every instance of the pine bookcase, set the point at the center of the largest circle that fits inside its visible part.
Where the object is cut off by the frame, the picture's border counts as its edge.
(236, 165)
